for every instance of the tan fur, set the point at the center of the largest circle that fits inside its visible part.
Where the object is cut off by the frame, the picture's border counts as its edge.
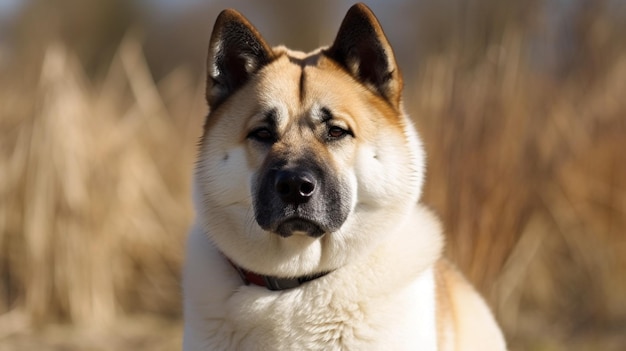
(464, 315)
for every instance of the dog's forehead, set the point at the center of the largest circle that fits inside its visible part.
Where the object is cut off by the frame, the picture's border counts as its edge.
(303, 84)
(307, 87)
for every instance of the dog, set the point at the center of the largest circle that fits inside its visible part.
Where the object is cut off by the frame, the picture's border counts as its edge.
(308, 232)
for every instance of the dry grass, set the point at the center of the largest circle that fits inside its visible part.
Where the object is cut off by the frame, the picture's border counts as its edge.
(94, 190)
(528, 174)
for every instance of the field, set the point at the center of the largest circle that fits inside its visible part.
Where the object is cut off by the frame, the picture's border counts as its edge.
(526, 167)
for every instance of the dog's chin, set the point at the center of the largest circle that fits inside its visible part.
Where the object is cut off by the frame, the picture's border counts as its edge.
(300, 226)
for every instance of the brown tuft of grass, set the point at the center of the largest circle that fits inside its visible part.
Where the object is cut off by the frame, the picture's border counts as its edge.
(94, 188)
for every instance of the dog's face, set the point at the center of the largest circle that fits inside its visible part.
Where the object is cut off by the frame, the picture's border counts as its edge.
(306, 159)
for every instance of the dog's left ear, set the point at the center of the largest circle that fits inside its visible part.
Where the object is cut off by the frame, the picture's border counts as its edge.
(236, 52)
(363, 50)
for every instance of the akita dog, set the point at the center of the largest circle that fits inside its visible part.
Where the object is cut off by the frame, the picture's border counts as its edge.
(309, 235)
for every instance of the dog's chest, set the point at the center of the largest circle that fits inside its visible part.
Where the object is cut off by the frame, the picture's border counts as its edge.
(256, 319)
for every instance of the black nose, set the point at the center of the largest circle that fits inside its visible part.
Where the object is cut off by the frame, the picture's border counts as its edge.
(294, 187)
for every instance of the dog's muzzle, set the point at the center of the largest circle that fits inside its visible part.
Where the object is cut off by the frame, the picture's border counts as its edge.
(299, 225)
(299, 199)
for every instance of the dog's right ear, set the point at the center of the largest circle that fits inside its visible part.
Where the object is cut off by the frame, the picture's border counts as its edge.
(236, 51)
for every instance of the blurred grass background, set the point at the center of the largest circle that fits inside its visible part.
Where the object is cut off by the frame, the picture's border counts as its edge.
(522, 106)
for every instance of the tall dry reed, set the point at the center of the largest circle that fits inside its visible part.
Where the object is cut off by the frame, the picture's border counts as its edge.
(94, 190)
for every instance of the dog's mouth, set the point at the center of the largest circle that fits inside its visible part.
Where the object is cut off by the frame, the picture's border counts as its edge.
(297, 225)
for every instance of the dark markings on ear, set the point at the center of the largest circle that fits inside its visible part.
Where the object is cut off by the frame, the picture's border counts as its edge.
(236, 52)
(363, 50)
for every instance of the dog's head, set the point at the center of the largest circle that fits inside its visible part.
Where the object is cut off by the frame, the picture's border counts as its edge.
(307, 160)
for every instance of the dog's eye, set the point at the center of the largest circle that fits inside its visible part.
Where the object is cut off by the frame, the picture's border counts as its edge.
(335, 132)
(263, 135)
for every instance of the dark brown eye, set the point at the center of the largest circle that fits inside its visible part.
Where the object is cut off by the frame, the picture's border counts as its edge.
(337, 132)
(263, 135)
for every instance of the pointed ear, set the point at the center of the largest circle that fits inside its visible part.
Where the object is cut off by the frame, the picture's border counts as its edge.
(236, 52)
(362, 48)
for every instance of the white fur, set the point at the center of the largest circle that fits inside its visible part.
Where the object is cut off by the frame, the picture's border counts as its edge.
(383, 301)
(381, 292)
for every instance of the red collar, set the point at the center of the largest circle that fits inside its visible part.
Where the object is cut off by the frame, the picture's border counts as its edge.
(273, 283)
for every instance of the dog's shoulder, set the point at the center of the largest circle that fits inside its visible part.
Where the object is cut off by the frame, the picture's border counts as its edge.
(464, 319)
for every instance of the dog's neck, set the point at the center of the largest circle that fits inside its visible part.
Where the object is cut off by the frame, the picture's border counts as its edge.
(273, 283)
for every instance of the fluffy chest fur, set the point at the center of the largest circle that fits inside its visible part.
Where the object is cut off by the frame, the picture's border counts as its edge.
(381, 301)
